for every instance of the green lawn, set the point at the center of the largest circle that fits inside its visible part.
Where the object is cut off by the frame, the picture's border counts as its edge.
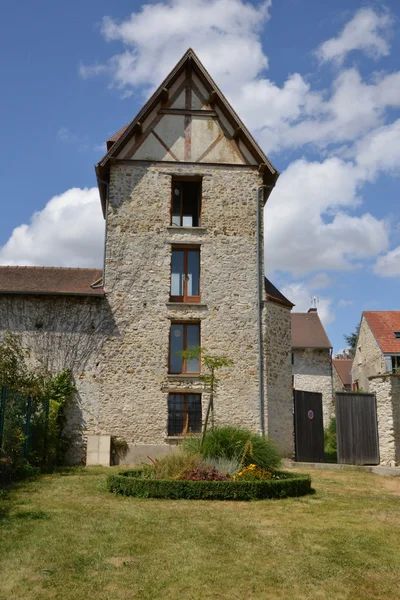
(64, 536)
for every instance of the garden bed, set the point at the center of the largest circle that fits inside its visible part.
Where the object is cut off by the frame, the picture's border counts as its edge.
(282, 485)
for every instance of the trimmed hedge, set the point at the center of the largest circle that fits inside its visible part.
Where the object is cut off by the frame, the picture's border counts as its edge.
(130, 483)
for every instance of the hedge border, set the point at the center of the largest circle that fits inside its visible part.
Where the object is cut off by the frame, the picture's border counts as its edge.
(129, 483)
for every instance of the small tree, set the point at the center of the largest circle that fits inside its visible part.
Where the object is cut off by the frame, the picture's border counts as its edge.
(351, 340)
(213, 363)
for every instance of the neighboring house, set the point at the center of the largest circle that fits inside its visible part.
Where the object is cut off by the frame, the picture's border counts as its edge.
(342, 374)
(312, 358)
(378, 347)
(180, 192)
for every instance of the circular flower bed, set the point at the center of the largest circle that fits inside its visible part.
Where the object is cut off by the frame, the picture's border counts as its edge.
(278, 484)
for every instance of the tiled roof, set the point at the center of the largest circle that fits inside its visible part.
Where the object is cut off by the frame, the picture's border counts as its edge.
(343, 369)
(383, 324)
(50, 280)
(116, 136)
(308, 331)
(275, 295)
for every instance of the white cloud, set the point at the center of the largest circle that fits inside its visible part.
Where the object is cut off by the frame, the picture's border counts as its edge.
(302, 294)
(68, 232)
(306, 228)
(225, 34)
(368, 31)
(389, 264)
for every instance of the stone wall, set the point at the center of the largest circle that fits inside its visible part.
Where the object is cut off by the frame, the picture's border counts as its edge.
(312, 372)
(368, 359)
(133, 398)
(64, 332)
(387, 391)
(117, 346)
(337, 382)
(277, 350)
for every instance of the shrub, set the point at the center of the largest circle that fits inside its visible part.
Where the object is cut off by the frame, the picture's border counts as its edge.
(253, 473)
(203, 473)
(238, 444)
(172, 465)
(228, 466)
(330, 441)
(131, 483)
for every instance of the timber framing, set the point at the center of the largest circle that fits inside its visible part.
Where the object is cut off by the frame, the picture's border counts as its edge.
(189, 63)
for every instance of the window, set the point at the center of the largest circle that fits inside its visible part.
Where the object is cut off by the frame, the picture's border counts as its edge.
(397, 334)
(395, 363)
(185, 275)
(182, 337)
(185, 205)
(184, 414)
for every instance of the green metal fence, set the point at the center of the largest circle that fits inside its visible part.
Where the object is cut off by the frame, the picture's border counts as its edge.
(24, 427)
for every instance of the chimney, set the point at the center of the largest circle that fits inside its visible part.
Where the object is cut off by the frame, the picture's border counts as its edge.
(312, 310)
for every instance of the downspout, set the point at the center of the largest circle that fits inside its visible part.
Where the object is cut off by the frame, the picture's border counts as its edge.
(260, 289)
(105, 229)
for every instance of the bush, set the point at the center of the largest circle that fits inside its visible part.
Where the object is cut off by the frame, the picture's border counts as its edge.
(238, 444)
(253, 473)
(228, 466)
(284, 485)
(171, 466)
(330, 441)
(203, 473)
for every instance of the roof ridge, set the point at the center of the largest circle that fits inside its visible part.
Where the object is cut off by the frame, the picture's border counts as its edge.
(47, 267)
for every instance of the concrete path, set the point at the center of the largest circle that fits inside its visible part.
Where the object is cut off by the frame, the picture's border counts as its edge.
(393, 471)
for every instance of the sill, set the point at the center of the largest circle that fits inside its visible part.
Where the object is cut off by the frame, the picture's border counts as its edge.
(183, 375)
(184, 228)
(186, 305)
(181, 437)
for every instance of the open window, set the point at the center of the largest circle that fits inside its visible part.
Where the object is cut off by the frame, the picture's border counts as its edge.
(185, 274)
(184, 414)
(183, 336)
(186, 203)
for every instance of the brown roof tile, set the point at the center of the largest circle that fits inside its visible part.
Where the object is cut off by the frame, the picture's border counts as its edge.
(49, 280)
(308, 331)
(383, 324)
(275, 295)
(343, 369)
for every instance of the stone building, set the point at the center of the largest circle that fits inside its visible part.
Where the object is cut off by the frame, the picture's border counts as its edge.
(312, 358)
(182, 190)
(378, 347)
(342, 374)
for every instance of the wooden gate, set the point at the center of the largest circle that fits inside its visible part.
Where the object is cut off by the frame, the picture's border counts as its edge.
(357, 429)
(308, 426)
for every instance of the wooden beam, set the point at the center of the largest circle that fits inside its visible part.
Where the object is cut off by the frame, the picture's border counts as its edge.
(212, 97)
(262, 167)
(137, 128)
(164, 95)
(236, 134)
(187, 112)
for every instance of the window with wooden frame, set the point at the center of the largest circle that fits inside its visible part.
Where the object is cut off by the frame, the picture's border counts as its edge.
(184, 414)
(186, 202)
(185, 274)
(183, 336)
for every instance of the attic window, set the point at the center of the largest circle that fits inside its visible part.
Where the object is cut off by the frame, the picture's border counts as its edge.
(397, 334)
(185, 203)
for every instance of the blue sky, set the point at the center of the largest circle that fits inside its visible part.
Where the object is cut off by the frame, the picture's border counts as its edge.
(317, 82)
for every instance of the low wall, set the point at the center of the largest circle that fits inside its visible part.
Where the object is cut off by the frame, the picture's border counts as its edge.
(387, 391)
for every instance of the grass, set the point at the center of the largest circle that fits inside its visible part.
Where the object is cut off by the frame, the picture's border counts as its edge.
(63, 536)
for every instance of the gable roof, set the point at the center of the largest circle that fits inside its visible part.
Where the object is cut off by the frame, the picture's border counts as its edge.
(343, 369)
(189, 61)
(308, 331)
(383, 324)
(50, 281)
(274, 295)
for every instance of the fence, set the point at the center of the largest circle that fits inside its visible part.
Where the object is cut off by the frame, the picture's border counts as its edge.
(24, 427)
